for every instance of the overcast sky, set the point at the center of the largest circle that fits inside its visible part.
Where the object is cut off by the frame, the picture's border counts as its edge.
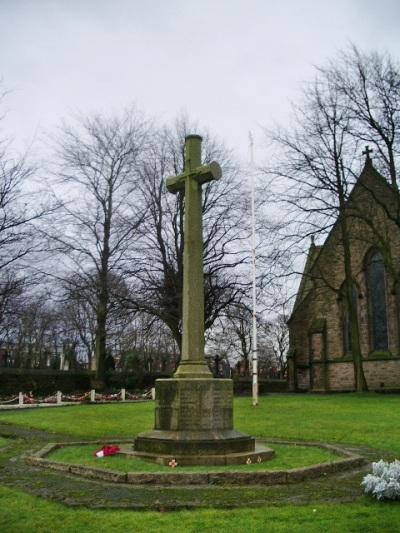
(234, 65)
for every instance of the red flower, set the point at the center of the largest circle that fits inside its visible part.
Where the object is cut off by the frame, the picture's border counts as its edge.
(109, 449)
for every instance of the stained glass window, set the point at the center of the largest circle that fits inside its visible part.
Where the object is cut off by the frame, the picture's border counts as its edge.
(377, 301)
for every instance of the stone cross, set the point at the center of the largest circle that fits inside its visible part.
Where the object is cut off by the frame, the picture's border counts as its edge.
(193, 363)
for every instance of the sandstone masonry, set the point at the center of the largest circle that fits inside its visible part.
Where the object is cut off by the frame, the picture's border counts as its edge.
(319, 357)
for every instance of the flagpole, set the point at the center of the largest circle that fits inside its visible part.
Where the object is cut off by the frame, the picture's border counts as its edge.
(253, 256)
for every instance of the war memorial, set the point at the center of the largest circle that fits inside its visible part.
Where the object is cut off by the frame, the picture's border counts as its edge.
(194, 411)
(193, 444)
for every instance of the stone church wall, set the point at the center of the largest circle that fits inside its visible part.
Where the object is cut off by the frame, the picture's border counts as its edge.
(317, 324)
(341, 376)
(382, 374)
(303, 379)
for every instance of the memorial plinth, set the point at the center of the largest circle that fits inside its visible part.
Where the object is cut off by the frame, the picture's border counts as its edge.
(194, 417)
(194, 425)
(194, 411)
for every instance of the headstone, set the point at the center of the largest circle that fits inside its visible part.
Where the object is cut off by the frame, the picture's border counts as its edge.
(92, 395)
(59, 397)
(20, 398)
(123, 395)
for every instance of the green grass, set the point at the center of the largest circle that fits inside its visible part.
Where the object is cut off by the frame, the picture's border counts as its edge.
(372, 420)
(87, 421)
(365, 419)
(3, 442)
(286, 457)
(20, 513)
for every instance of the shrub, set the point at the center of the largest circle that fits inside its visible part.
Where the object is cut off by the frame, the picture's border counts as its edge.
(116, 379)
(42, 381)
(384, 482)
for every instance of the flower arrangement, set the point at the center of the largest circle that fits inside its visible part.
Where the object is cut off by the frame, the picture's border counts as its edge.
(384, 482)
(107, 450)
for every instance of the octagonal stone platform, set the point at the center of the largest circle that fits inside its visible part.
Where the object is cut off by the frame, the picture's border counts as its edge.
(194, 424)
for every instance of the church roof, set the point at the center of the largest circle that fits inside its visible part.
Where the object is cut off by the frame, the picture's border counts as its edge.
(370, 171)
(306, 282)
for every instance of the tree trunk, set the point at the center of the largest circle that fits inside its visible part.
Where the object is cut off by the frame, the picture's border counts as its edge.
(103, 299)
(392, 168)
(100, 348)
(361, 384)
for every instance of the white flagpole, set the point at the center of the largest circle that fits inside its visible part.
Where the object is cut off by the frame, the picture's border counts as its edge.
(253, 253)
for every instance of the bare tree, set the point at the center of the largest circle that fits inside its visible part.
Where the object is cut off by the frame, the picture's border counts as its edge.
(21, 207)
(355, 99)
(370, 86)
(98, 160)
(28, 337)
(150, 341)
(157, 280)
(231, 339)
(316, 161)
(236, 329)
(277, 333)
(79, 311)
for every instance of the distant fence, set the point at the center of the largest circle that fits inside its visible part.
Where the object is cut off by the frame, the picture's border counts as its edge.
(59, 398)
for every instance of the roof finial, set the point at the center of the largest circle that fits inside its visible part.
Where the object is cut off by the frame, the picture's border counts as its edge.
(312, 240)
(366, 152)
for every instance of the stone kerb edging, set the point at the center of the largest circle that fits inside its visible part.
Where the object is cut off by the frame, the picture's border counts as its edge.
(272, 477)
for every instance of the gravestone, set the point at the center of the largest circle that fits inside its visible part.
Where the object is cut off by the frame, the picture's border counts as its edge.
(194, 411)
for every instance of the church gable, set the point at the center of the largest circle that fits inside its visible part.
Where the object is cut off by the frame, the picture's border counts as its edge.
(321, 360)
(306, 282)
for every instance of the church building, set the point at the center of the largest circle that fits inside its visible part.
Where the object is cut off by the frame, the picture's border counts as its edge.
(320, 357)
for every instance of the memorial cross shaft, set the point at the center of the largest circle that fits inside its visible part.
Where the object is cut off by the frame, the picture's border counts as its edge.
(193, 363)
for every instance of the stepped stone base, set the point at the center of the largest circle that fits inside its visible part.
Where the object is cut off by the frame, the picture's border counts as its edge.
(259, 454)
(194, 442)
(194, 423)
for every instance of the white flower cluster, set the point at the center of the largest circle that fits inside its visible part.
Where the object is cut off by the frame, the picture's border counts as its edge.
(384, 482)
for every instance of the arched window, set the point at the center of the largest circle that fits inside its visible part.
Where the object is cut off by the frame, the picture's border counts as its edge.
(377, 301)
(346, 323)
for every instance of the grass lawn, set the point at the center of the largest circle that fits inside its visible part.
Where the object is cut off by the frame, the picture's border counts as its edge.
(26, 513)
(372, 420)
(285, 457)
